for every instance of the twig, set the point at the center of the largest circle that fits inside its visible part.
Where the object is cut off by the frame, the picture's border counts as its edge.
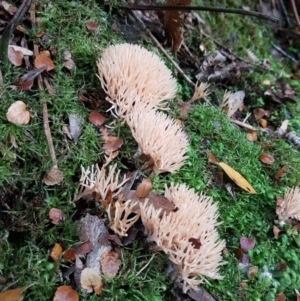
(41, 87)
(8, 31)
(143, 268)
(156, 42)
(284, 53)
(295, 12)
(244, 125)
(200, 8)
(288, 20)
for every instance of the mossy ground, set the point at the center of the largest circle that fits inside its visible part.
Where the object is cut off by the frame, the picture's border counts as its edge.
(24, 220)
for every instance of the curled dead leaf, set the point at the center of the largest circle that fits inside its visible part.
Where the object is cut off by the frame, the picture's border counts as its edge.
(246, 244)
(211, 158)
(56, 252)
(258, 113)
(13, 294)
(112, 144)
(144, 188)
(15, 56)
(43, 59)
(65, 293)
(252, 136)
(267, 159)
(56, 216)
(96, 118)
(70, 254)
(17, 113)
(90, 279)
(263, 122)
(91, 26)
(280, 173)
(280, 297)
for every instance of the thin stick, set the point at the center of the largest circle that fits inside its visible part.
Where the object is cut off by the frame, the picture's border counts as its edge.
(295, 12)
(143, 268)
(199, 8)
(284, 53)
(288, 20)
(135, 15)
(41, 88)
(244, 125)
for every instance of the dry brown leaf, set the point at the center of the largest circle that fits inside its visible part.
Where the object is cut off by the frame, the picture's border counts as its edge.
(276, 232)
(280, 173)
(246, 244)
(280, 297)
(13, 294)
(252, 136)
(43, 59)
(91, 26)
(96, 118)
(267, 158)
(211, 158)
(144, 188)
(84, 248)
(110, 263)
(69, 64)
(90, 279)
(263, 122)
(56, 252)
(11, 9)
(17, 113)
(56, 216)
(25, 85)
(53, 177)
(112, 144)
(173, 24)
(65, 293)
(15, 56)
(237, 178)
(258, 113)
(70, 254)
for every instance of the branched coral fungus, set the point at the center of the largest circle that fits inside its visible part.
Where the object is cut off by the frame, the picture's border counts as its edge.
(160, 137)
(289, 207)
(130, 74)
(95, 183)
(188, 235)
(232, 102)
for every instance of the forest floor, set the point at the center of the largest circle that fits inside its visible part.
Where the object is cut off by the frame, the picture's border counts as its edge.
(39, 220)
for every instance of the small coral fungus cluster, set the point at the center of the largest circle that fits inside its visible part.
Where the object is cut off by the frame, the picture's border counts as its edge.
(137, 82)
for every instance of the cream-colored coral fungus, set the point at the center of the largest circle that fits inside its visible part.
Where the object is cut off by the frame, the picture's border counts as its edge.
(232, 102)
(289, 207)
(159, 137)
(130, 74)
(95, 183)
(188, 235)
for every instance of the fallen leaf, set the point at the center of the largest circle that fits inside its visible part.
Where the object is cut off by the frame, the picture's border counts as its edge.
(143, 188)
(246, 244)
(263, 122)
(40, 33)
(43, 59)
(75, 126)
(110, 263)
(276, 232)
(15, 56)
(56, 252)
(17, 113)
(211, 158)
(90, 279)
(70, 254)
(24, 50)
(69, 64)
(242, 257)
(115, 240)
(65, 293)
(281, 267)
(237, 178)
(112, 144)
(53, 177)
(67, 55)
(84, 248)
(280, 297)
(258, 113)
(56, 216)
(173, 24)
(267, 159)
(91, 26)
(96, 119)
(25, 85)
(252, 272)
(252, 136)
(280, 173)
(13, 294)
(50, 89)
(11, 9)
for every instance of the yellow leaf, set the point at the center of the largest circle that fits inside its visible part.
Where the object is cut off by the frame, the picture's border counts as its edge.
(13, 295)
(236, 177)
